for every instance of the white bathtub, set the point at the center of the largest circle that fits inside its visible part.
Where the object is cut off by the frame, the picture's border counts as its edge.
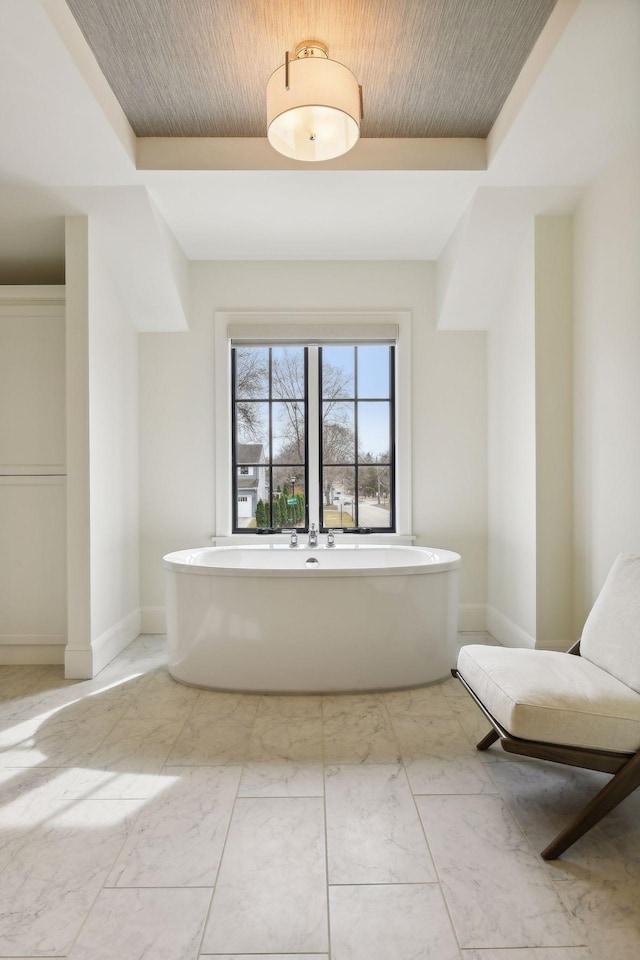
(261, 618)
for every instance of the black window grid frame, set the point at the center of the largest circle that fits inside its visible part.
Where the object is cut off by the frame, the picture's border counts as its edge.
(268, 464)
(391, 464)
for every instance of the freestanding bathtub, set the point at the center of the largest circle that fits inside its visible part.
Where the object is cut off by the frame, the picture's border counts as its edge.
(273, 619)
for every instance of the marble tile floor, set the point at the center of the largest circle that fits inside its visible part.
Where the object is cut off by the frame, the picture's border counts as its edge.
(141, 819)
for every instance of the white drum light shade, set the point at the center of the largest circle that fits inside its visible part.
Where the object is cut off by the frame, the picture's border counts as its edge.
(318, 117)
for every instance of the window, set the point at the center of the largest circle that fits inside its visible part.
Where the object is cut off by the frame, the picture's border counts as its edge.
(269, 411)
(313, 330)
(357, 436)
(335, 441)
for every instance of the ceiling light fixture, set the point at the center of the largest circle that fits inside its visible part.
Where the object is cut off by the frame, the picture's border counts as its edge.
(314, 105)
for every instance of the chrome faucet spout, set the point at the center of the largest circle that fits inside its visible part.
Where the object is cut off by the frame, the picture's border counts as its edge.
(331, 539)
(313, 536)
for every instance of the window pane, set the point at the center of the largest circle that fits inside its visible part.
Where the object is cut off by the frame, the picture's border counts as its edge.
(332, 484)
(374, 508)
(338, 372)
(289, 497)
(338, 436)
(252, 497)
(252, 428)
(373, 371)
(287, 372)
(288, 432)
(373, 431)
(270, 428)
(338, 506)
(252, 372)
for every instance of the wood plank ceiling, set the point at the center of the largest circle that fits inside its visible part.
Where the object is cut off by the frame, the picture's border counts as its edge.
(198, 68)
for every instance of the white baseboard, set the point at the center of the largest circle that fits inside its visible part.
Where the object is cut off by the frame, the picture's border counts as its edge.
(110, 643)
(27, 648)
(472, 617)
(83, 663)
(560, 645)
(153, 620)
(508, 633)
(78, 663)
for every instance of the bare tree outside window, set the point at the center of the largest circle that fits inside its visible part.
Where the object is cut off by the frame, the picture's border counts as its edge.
(252, 379)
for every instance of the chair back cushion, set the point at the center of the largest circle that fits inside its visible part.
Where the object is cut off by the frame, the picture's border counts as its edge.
(611, 635)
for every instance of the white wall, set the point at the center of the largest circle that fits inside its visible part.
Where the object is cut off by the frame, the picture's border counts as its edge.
(78, 652)
(606, 375)
(103, 456)
(511, 591)
(554, 431)
(449, 410)
(564, 414)
(114, 457)
(530, 546)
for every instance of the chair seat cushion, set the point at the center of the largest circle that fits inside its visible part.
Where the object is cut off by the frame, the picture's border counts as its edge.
(553, 697)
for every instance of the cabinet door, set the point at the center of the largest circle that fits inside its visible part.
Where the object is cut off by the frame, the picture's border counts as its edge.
(33, 587)
(32, 392)
(33, 556)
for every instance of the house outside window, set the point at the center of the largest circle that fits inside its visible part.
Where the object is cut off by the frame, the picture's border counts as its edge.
(250, 484)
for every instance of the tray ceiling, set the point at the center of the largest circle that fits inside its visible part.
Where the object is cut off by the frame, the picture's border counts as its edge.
(199, 68)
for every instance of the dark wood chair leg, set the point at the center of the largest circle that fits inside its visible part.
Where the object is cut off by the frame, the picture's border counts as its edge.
(486, 742)
(620, 786)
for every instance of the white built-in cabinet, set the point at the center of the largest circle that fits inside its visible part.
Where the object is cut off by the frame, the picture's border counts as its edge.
(33, 605)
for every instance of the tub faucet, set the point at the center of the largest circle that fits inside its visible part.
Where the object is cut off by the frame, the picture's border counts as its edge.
(331, 540)
(293, 542)
(313, 536)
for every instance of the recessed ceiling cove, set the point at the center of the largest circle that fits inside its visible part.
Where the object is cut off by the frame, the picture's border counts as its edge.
(199, 68)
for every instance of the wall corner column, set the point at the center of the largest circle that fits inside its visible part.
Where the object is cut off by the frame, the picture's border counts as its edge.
(79, 652)
(554, 431)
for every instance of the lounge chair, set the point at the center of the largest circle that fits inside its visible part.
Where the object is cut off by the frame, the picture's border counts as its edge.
(581, 707)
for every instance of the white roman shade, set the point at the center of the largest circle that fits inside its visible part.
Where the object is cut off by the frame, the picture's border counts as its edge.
(279, 334)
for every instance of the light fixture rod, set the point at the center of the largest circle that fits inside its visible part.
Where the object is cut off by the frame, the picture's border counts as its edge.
(361, 104)
(286, 70)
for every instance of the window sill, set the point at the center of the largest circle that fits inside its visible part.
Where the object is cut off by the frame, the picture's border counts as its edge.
(244, 539)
